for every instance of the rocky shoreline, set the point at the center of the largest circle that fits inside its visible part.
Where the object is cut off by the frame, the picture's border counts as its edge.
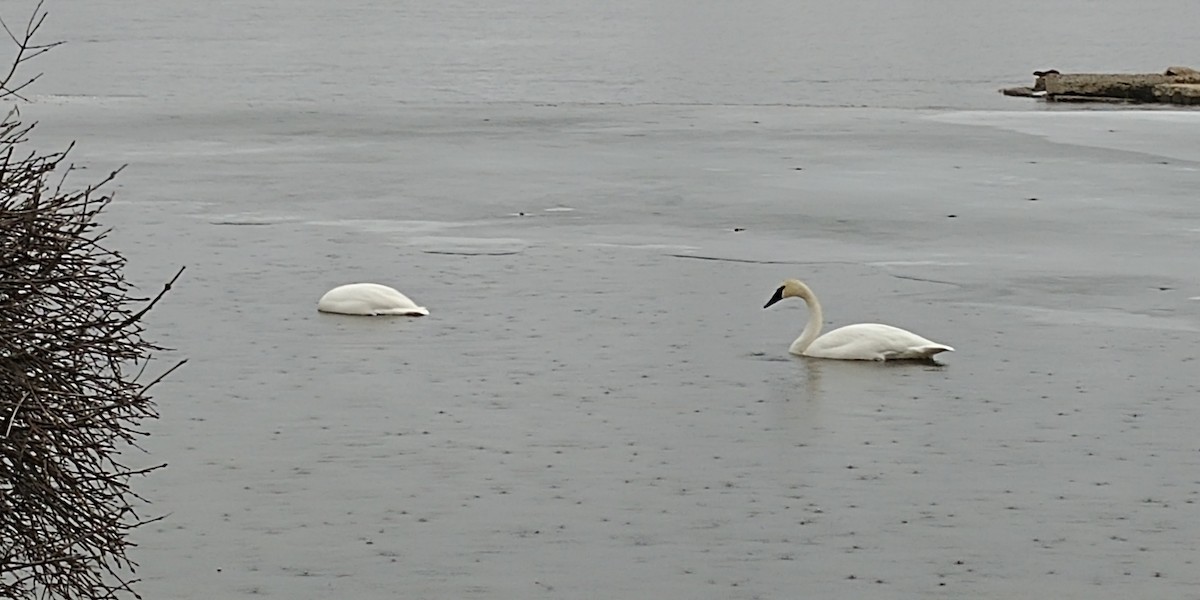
(1176, 85)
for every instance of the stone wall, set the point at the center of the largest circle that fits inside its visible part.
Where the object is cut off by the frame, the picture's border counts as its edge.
(1176, 85)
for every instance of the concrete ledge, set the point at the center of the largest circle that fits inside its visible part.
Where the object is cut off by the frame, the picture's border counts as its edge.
(1026, 92)
(1176, 85)
(1127, 87)
(1178, 93)
(1091, 99)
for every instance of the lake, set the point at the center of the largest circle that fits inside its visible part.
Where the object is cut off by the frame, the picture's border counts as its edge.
(594, 200)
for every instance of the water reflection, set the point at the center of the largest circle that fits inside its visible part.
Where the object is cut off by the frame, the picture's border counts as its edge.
(813, 388)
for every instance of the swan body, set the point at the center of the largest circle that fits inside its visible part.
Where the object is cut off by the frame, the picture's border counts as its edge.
(863, 341)
(369, 299)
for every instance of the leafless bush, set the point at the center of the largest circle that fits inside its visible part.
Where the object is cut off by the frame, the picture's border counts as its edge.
(72, 358)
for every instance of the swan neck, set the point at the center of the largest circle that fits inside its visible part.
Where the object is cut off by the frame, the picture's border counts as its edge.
(812, 328)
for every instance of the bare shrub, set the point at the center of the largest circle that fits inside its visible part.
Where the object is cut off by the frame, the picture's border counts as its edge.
(72, 359)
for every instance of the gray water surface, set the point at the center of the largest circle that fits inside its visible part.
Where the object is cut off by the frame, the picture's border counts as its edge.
(594, 202)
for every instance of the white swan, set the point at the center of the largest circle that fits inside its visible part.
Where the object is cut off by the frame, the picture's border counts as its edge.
(368, 299)
(864, 341)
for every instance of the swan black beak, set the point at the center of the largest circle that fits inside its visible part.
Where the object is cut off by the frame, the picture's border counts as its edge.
(775, 298)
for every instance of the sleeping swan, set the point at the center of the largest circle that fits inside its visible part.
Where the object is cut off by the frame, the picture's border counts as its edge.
(368, 299)
(864, 341)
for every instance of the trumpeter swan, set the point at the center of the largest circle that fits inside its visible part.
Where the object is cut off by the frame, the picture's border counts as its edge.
(368, 299)
(863, 341)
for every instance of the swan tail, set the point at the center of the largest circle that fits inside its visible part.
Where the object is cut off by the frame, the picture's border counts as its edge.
(416, 311)
(932, 349)
(925, 352)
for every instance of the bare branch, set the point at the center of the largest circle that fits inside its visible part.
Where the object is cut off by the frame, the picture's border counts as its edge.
(26, 50)
(72, 357)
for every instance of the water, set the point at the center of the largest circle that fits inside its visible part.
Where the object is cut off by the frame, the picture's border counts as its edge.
(594, 201)
(873, 53)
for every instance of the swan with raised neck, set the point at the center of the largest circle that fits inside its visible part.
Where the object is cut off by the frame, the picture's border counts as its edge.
(862, 341)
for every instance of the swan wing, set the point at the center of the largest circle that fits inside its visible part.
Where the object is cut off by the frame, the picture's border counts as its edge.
(368, 299)
(873, 341)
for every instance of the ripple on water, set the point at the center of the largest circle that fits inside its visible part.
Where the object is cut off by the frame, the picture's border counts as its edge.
(390, 226)
(468, 246)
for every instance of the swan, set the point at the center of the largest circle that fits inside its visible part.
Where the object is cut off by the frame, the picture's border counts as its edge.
(863, 341)
(368, 299)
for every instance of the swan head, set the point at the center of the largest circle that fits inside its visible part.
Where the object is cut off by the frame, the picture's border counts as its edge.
(791, 288)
